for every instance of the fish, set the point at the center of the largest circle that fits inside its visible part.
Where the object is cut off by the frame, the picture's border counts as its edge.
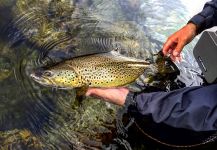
(104, 70)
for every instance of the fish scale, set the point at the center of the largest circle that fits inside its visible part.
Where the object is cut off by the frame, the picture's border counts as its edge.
(107, 73)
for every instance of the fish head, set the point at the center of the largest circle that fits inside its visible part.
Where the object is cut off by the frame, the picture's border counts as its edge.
(56, 77)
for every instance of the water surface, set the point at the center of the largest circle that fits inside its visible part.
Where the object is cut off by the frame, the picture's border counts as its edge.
(37, 33)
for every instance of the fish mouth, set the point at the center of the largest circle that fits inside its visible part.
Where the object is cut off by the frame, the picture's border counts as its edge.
(36, 78)
(39, 80)
(33, 76)
(42, 81)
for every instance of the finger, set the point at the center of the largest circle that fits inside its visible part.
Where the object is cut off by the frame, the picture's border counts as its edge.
(88, 93)
(173, 58)
(105, 94)
(167, 46)
(178, 59)
(178, 49)
(170, 51)
(96, 91)
(91, 91)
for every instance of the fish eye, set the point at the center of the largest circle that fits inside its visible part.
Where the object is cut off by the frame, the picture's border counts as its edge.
(47, 73)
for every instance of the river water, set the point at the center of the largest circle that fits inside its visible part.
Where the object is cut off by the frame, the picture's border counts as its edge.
(37, 33)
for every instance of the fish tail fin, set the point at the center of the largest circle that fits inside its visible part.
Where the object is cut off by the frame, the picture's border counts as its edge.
(164, 65)
(161, 69)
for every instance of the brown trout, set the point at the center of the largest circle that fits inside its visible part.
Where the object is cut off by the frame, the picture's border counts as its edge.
(104, 70)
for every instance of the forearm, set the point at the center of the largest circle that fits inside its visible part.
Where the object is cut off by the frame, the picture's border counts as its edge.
(207, 18)
(192, 108)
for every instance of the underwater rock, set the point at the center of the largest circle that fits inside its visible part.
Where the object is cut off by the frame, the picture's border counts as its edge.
(5, 67)
(64, 29)
(19, 139)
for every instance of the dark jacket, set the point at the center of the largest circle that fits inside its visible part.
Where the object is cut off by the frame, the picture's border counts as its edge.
(207, 18)
(193, 108)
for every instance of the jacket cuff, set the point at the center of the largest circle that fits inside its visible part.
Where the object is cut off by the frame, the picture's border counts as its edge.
(130, 99)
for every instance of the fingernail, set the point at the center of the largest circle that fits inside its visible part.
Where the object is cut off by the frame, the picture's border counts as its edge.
(175, 53)
(172, 58)
(87, 94)
(177, 60)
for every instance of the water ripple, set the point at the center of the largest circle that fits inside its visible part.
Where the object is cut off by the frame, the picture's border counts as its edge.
(39, 33)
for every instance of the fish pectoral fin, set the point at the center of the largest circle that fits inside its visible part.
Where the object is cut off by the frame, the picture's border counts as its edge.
(81, 90)
(80, 93)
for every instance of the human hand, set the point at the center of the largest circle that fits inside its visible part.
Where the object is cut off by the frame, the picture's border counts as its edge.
(113, 95)
(176, 42)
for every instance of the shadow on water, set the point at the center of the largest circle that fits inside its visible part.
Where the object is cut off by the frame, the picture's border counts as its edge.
(39, 33)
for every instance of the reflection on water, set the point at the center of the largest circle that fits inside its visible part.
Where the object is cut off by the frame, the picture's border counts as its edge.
(35, 33)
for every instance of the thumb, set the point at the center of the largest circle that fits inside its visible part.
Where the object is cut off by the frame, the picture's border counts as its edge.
(90, 91)
(178, 49)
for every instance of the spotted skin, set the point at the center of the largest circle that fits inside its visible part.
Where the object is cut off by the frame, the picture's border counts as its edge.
(99, 70)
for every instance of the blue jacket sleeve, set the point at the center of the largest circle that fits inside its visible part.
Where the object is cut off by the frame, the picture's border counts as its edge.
(192, 108)
(207, 18)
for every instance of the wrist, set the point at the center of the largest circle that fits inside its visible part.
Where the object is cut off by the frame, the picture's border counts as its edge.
(193, 28)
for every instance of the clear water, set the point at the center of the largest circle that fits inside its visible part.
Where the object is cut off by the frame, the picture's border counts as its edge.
(35, 33)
